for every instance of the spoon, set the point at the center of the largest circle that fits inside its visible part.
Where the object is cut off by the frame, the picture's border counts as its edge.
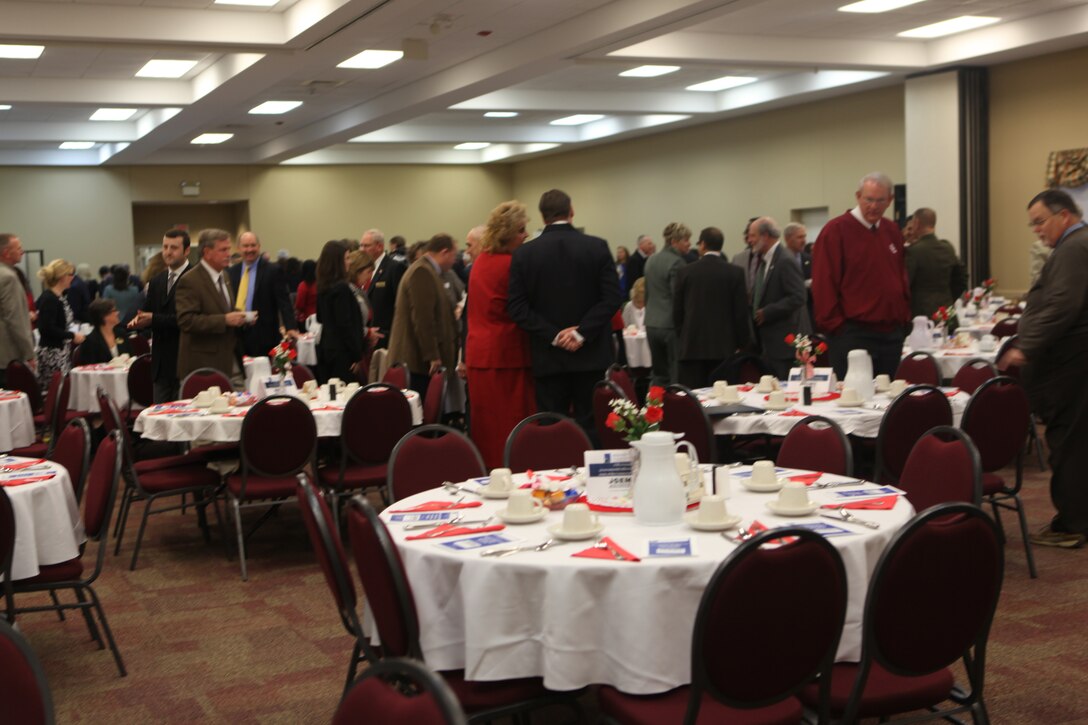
(604, 545)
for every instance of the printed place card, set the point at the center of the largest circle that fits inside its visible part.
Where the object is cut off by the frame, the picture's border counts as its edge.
(608, 476)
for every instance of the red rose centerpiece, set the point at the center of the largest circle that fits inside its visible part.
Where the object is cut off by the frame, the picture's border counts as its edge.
(282, 355)
(631, 421)
(806, 350)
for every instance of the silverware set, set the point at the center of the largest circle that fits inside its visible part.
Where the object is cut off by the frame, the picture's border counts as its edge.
(457, 519)
(507, 551)
(844, 514)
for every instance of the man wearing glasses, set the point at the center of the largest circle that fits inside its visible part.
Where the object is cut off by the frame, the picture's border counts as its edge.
(1052, 347)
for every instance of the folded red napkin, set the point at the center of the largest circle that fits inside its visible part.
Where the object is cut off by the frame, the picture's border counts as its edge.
(952, 393)
(451, 530)
(438, 506)
(883, 503)
(795, 414)
(327, 407)
(26, 479)
(745, 388)
(604, 509)
(602, 553)
(19, 465)
(806, 478)
(11, 396)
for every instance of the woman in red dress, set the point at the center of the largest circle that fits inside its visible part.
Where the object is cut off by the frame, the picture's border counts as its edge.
(500, 380)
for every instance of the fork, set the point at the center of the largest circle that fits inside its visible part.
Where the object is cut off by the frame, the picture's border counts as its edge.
(604, 545)
(847, 516)
(742, 535)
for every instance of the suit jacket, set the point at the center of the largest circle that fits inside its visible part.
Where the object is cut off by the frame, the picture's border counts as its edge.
(16, 340)
(341, 321)
(383, 294)
(273, 306)
(206, 340)
(743, 260)
(710, 308)
(636, 267)
(95, 350)
(661, 271)
(782, 300)
(936, 275)
(564, 278)
(424, 327)
(164, 325)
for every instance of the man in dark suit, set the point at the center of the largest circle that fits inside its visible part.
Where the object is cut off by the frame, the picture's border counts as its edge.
(382, 291)
(636, 263)
(259, 287)
(159, 314)
(710, 306)
(795, 237)
(778, 297)
(564, 292)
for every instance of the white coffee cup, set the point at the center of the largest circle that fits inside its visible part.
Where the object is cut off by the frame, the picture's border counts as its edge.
(793, 495)
(336, 381)
(351, 388)
(220, 404)
(522, 503)
(251, 316)
(203, 399)
(849, 396)
(897, 387)
(883, 382)
(712, 510)
(767, 383)
(763, 473)
(502, 479)
(721, 387)
(988, 343)
(310, 386)
(577, 519)
(731, 394)
(214, 391)
(776, 399)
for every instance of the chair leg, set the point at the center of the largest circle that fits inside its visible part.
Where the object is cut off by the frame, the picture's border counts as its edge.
(202, 517)
(140, 533)
(352, 668)
(997, 518)
(122, 520)
(109, 633)
(1024, 533)
(60, 612)
(88, 616)
(241, 538)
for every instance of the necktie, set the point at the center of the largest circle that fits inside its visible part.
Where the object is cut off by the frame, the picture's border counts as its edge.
(757, 287)
(370, 282)
(223, 291)
(243, 290)
(170, 282)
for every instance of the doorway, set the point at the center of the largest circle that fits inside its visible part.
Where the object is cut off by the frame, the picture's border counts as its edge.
(150, 220)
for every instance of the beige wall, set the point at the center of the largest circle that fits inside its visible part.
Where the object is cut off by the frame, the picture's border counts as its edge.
(1036, 106)
(723, 173)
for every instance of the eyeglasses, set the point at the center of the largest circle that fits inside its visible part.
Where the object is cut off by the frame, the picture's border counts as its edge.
(1034, 223)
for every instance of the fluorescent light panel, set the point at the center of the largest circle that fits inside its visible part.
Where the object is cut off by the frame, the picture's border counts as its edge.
(876, 6)
(650, 71)
(500, 114)
(272, 108)
(4, 107)
(723, 83)
(113, 114)
(22, 52)
(77, 145)
(472, 146)
(949, 27)
(577, 119)
(372, 59)
(164, 68)
(254, 3)
(210, 138)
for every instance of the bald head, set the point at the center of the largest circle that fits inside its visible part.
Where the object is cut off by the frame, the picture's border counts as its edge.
(373, 243)
(925, 221)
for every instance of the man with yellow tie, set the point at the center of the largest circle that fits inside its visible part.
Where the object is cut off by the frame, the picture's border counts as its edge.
(261, 289)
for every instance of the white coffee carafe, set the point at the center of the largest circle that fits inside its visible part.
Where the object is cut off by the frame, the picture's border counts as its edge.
(859, 372)
(659, 495)
(921, 337)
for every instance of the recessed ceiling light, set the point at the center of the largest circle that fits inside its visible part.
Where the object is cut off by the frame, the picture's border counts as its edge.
(272, 108)
(472, 146)
(207, 138)
(372, 59)
(723, 83)
(113, 114)
(577, 119)
(165, 68)
(650, 71)
(4, 107)
(500, 114)
(948, 27)
(876, 6)
(257, 3)
(21, 51)
(77, 145)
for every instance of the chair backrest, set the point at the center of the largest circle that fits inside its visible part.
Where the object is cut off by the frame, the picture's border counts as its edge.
(301, 374)
(279, 437)
(974, 373)
(743, 368)
(604, 392)
(375, 418)
(385, 584)
(435, 400)
(932, 597)
(73, 451)
(20, 377)
(618, 374)
(330, 556)
(998, 420)
(52, 392)
(138, 345)
(23, 687)
(141, 384)
(743, 666)
(77, 356)
(685, 414)
(202, 379)
(919, 368)
(399, 690)
(427, 456)
(1007, 327)
(7, 552)
(916, 410)
(943, 466)
(379, 361)
(545, 440)
(102, 488)
(817, 444)
(1008, 344)
(396, 375)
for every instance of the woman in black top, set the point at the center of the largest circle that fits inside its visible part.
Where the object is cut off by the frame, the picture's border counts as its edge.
(54, 320)
(341, 348)
(107, 340)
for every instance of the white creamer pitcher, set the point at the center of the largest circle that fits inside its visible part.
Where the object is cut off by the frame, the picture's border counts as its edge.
(659, 495)
(921, 337)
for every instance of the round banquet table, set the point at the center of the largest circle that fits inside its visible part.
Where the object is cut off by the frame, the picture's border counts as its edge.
(951, 359)
(579, 621)
(637, 349)
(180, 422)
(48, 529)
(85, 380)
(16, 420)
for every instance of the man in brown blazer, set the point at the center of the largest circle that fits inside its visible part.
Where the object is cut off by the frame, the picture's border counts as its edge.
(205, 312)
(424, 334)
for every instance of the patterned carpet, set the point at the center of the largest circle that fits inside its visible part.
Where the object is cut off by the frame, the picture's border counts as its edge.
(201, 645)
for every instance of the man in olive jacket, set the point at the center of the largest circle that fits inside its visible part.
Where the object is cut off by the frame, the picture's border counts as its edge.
(937, 277)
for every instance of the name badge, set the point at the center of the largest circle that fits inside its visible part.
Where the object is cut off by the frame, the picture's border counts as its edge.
(380, 283)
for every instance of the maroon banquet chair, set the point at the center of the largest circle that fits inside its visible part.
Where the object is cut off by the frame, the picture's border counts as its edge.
(427, 456)
(910, 415)
(751, 673)
(73, 451)
(685, 414)
(919, 368)
(389, 595)
(943, 467)
(998, 418)
(374, 420)
(301, 374)
(141, 387)
(435, 400)
(618, 374)
(20, 377)
(397, 376)
(974, 373)
(930, 603)
(49, 422)
(201, 379)
(817, 443)
(1006, 328)
(604, 392)
(742, 368)
(543, 441)
(138, 344)
(24, 689)
(399, 690)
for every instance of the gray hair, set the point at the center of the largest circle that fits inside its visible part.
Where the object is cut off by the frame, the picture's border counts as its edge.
(878, 177)
(209, 237)
(766, 225)
(5, 240)
(376, 234)
(792, 228)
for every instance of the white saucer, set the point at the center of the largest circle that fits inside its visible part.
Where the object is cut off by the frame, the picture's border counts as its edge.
(784, 406)
(844, 404)
(749, 484)
(488, 492)
(802, 511)
(559, 532)
(524, 518)
(691, 518)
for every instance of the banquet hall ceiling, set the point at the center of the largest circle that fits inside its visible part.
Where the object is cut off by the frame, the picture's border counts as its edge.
(540, 59)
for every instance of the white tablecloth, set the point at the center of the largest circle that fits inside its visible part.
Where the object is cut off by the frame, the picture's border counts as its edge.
(85, 381)
(638, 350)
(255, 369)
(16, 420)
(862, 421)
(48, 529)
(578, 621)
(951, 359)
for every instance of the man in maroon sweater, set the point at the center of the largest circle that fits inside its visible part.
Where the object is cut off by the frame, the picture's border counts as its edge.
(860, 290)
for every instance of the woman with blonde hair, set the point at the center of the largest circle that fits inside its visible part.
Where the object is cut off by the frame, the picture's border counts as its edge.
(500, 379)
(55, 319)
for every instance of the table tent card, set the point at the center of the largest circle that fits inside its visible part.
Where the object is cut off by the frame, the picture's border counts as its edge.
(822, 380)
(608, 476)
(273, 385)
